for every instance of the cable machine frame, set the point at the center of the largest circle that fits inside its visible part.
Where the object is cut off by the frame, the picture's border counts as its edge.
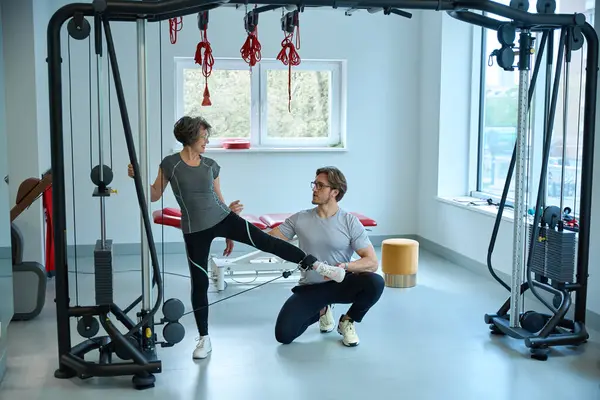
(103, 12)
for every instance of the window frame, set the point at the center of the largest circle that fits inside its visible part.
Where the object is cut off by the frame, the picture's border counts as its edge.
(259, 106)
(535, 124)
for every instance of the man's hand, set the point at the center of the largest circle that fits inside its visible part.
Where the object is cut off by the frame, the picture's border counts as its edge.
(228, 247)
(236, 206)
(367, 262)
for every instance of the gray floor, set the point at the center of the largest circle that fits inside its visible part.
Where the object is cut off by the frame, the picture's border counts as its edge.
(428, 342)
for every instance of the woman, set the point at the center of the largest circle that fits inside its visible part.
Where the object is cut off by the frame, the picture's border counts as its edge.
(195, 182)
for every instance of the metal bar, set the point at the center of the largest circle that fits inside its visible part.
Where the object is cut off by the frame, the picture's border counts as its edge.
(549, 126)
(100, 98)
(143, 151)
(587, 169)
(564, 136)
(58, 192)
(520, 210)
(137, 179)
(164, 10)
(547, 97)
(476, 19)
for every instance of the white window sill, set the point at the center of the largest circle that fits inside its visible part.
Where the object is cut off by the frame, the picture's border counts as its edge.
(478, 205)
(275, 150)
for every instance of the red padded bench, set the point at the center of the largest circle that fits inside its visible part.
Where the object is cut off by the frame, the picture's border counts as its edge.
(172, 217)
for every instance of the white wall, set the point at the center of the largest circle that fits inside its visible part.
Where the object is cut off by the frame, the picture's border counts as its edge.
(382, 123)
(21, 63)
(4, 205)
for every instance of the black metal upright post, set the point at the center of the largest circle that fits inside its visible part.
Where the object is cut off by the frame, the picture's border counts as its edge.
(58, 193)
(587, 170)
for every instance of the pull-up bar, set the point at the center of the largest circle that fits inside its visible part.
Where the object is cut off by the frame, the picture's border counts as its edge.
(163, 10)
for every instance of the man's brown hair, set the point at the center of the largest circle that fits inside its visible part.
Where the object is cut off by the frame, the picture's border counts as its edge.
(336, 180)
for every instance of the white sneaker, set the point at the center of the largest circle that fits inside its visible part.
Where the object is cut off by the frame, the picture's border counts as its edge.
(326, 322)
(330, 271)
(203, 348)
(346, 329)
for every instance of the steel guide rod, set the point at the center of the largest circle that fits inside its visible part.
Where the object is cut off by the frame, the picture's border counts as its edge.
(144, 151)
(163, 10)
(101, 115)
(520, 206)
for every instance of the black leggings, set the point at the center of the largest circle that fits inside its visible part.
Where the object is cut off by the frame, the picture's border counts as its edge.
(302, 309)
(238, 229)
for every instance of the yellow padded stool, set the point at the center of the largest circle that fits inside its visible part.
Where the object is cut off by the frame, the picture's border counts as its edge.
(399, 262)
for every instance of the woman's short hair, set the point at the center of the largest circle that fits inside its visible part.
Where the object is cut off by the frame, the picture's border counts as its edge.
(187, 129)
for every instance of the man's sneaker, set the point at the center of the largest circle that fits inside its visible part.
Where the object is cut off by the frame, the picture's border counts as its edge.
(330, 271)
(203, 348)
(326, 322)
(346, 329)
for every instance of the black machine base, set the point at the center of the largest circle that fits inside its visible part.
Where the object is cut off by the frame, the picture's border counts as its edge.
(64, 373)
(565, 333)
(143, 381)
(73, 364)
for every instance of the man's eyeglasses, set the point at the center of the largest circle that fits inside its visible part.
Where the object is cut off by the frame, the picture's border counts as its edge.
(318, 185)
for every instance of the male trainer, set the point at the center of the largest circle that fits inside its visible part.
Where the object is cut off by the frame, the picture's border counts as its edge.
(332, 235)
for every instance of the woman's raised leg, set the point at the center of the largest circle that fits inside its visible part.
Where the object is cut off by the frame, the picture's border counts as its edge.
(237, 228)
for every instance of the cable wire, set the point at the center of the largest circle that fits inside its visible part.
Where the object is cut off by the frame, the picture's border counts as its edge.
(284, 275)
(160, 86)
(73, 165)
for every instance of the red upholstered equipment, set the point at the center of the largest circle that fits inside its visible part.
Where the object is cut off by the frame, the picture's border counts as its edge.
(172, 217)
(274, 220)
(366, 221)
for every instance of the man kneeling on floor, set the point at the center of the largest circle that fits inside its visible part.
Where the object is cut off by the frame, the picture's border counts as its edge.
(332, 235)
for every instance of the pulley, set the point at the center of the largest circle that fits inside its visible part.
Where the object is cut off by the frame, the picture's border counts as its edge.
(88, 326)
(173, 310)
(289, 22)
(546, 6)
(78, 27)
(250, 21)
(507, 34)
(522, 5)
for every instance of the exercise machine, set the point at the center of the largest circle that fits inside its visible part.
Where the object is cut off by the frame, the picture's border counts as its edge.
(139, 341)
(253, 261)
(546, 242)
(30, 277)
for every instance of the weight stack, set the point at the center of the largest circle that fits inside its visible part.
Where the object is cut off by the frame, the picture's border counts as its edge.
(104, 273)
(554, 254)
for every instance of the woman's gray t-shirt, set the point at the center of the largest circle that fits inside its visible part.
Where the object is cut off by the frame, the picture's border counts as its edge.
(194, 190)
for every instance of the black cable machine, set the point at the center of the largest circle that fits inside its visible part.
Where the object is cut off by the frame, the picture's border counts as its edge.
(551, 252)
(139, 342)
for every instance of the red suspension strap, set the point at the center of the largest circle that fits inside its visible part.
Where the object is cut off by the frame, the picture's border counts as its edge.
(289, 22)
(207, 61)
(175, 25)
(251, 48)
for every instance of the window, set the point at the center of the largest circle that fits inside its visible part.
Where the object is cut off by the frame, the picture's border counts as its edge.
(253, 104)
(498, 120)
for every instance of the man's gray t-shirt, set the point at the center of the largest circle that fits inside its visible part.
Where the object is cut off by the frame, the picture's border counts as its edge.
(193, 188)
(331, 240)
